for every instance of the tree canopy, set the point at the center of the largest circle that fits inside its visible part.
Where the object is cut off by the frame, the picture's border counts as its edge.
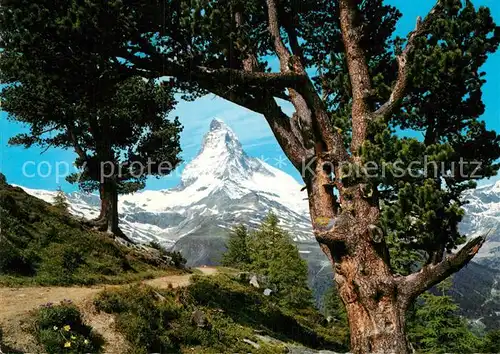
(65, 82)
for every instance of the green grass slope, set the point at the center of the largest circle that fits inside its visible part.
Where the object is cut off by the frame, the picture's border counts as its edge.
(215, 314)
(40, 244)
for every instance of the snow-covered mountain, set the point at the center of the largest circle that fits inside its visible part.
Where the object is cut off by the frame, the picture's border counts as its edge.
(483, 217)
(221, 187)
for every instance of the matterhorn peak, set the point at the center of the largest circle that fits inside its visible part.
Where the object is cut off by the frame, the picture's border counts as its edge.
(218, 124)
(221, 139)
(221, 155)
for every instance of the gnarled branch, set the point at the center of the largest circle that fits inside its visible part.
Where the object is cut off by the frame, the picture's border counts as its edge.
(415, 284)
(399, 89)
(226, 76)
(280, 80)
(274, 29)
(280, 123)
(359, 73)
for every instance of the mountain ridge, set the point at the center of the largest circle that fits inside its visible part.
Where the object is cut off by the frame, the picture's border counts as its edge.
(220, 187)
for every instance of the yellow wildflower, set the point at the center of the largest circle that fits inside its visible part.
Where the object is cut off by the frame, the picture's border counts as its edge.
(67, 328)
(73, 337)
(86, 341)
(67, 345)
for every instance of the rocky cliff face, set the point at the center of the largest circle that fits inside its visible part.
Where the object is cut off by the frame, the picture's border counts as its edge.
(483, 217)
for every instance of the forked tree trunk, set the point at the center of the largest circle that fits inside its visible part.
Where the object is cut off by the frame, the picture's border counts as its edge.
(375, 309)
(371, 294)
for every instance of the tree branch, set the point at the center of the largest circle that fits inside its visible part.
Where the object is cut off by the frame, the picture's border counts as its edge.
(399, 89)
(358, 71)
(49, 145)
(290, 25)
(250, 63)
(278, 121)
(274, 30)
(225, 76)
(280, 80)
(415, 284)
(78, 149)
(48, 130)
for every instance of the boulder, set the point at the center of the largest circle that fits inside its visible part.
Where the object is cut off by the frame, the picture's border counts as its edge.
(198, 318)
(254, 281)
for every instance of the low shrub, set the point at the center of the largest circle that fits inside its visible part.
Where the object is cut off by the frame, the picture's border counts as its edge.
(60, 329)
(247, 306)
(154, 320)
(144, 315)
(176, 257)
(213, 315)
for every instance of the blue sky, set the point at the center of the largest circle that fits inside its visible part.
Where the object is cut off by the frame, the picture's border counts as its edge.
(251, 128)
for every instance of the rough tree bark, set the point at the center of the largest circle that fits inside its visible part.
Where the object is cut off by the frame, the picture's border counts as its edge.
(110, 202)
(376, 300)
(104, 203)
(107, 220)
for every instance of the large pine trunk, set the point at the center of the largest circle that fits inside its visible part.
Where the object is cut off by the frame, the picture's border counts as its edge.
(377, 330)
(375, 311)
(108, 217)
(358, 253)
(110, 202)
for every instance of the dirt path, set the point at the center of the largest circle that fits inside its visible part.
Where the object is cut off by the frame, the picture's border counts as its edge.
(16, 303)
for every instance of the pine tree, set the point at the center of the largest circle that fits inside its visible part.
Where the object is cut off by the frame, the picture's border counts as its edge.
(60, 200)
(264, 242)
(237, 253)
(438, 328)
(70, 89)
(274, 255)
